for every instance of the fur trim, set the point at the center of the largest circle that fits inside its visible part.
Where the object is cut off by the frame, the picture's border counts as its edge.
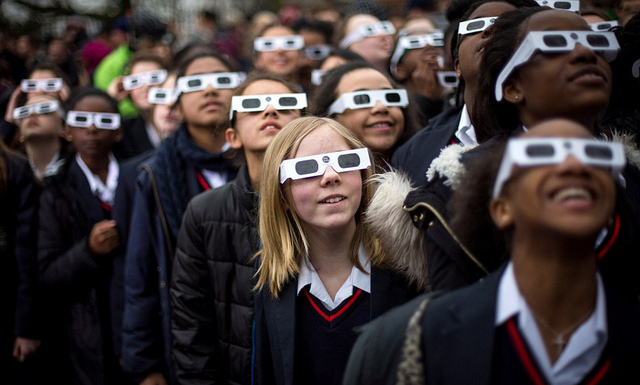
(630, 147)
(448, 165)
(387, 219)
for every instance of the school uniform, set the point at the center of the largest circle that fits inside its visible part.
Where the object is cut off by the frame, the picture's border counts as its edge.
(469, 338)
(84, 290)
(301, 339)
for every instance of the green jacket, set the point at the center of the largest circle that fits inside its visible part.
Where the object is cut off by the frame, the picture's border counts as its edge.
(110, 68)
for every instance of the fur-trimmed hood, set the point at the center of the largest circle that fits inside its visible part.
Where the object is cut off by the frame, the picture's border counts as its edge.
(404, 242)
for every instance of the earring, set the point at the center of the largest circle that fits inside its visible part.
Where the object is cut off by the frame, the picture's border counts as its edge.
(459, 74)
(21, 139)
(517, 97)
(69, 138)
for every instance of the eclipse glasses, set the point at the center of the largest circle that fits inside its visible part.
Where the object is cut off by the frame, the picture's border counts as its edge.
(602, 43)
(102, 120)
(368, 30)
(38, 108)
(219, 80)
(531, 152)
(405, 43)
(46, 85)
(315, 165)
(368, 99)
(149, 78)
(286, 43)
(255, 103)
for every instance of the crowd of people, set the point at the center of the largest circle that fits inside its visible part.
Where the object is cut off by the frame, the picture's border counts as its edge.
(447, 193)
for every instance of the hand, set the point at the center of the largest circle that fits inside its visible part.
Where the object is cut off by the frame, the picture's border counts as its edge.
(426, 79)
(116, 89)
(154, 379)
(103, 238)
(24, 347)
(13, 101)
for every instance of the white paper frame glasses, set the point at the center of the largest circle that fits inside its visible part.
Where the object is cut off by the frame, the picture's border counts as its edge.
(602, 43)
(603, 25)
(218, 80)
(257, 103)
(38, 108)
(318, 52)
(368, 30)
(405, 43)
(163, 96)
(316, 165)
(368, 99)
(149, 78)
(531, 152)
(285, 43)
(46, 85)
(469, 27)
(101, 120)
(561, 5)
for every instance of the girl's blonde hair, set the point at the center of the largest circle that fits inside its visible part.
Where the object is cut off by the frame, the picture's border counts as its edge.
(283, 239)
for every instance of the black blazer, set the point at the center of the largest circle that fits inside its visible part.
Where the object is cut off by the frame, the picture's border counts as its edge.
(458, 335)
(415, 156)
(135, 139)
(275, 323)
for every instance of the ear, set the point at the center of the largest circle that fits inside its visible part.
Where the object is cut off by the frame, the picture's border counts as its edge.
(456, 66)
(233, 138)
(512, 91)
(501, 212)
(118, 136)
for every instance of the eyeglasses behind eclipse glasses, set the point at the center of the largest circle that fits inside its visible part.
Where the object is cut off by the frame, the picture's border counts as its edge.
(315, 165)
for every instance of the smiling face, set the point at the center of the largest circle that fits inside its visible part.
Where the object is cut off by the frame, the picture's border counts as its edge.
(575, 84)
(379, 127)
(41, 126)
(326, 203)
(470, 46)
(279, 62)
(569, 199)
(208, 108)
(91, 142)
(254, 131)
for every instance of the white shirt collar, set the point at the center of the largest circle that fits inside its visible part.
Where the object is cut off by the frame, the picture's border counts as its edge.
(51, 168)
(466, 134)
(584, 347)
(357, 278)
(105, 192)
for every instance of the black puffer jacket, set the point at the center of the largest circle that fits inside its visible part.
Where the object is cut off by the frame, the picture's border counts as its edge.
(211, 296)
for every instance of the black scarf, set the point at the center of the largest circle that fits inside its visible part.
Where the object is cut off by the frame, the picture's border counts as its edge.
(176, 156)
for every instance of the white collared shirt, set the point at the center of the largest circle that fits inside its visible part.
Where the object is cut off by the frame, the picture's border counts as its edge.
(584, 348)
(51, 168)
(357, 278)
(466, 134)
(105, 192)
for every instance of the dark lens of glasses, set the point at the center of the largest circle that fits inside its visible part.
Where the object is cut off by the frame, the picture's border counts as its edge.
(161, 95)
(306, 167)
(475, 25)
(598, 152)
(392, 97)
(562, 5)
(369, 30)
(81, 119)
(361, 99)
(540, 150)
(23, 112)
(290, 42)
(106, 120)
(194, 83)
(597, 40)
(288, 101)
(268, 43)
(603, 27)
(224, 80)
(450, 79)
(554, 41)
(348, 160)
(45, 109)
(251, 103)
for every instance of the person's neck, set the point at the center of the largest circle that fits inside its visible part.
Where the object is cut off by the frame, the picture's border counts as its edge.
(329, 254)
(468, 98)
(254, 166)
(98, 165)
(557, 277)
(586, 118)
(209, 139)
(41, 151)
